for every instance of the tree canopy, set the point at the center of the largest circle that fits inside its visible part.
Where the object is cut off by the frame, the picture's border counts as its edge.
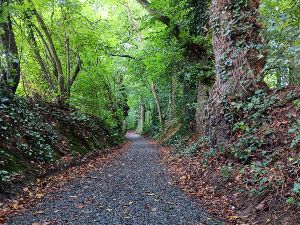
(168, 68)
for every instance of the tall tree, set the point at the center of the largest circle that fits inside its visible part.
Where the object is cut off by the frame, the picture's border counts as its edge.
(141, 124)
(158, 105)
(239, 56)
(64, 80)
(10, 65)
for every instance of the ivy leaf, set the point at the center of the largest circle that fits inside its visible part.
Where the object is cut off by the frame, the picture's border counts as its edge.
(296, 188)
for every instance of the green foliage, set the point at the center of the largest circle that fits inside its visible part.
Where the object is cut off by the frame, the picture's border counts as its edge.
(36, 133)
(292, 201)
(4, 176)
(296, 188)
(124, 51)
(226, 170)
(295, 129)
(19, 122)
(281, 20)
(259, 179)
(256, 106)
(178, 141)
(296, 191)
(246, 146)
(193, 148)
(246, 117)
(297, 102)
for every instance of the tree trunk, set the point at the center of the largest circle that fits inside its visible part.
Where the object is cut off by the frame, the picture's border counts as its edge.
(172, 107)
(140, 128)
(134, 24)
(48, 53)
(239, 60)
(52, 49)
(190, 88)
(158, 105)
(202, 97)
(68, 61)
(10, 75)
(33, 43)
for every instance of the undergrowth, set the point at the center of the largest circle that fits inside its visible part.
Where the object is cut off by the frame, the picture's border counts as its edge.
(36, 135)
(263, 154)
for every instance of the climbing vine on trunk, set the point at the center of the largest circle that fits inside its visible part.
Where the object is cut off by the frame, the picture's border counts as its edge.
(240, 58)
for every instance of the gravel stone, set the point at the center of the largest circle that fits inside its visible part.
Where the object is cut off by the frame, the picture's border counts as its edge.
(133, 189)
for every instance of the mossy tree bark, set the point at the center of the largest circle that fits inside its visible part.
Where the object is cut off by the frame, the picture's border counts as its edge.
(240, 59)
(202, 97)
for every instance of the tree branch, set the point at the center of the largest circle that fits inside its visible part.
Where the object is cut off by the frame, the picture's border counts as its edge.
(121, 55)
(162, 18)
(76, 72)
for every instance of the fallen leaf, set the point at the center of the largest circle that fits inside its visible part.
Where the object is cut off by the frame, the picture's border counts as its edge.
(15, 206)
(25, 189)
(238, 178)
(233, 218)
(39, 195)
(79, 206)
(183, 178)
(261, 206)
(38, 212)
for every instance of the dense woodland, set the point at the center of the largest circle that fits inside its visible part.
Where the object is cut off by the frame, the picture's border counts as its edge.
(218, 81)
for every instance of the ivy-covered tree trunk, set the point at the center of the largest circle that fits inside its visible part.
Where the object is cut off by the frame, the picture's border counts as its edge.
(239, 57)
(10, 63)
(202, 97)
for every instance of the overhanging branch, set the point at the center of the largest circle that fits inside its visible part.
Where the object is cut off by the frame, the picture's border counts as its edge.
(121, 55)
(162, 18)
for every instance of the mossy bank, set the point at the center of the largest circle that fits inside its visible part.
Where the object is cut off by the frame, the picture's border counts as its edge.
(37, 137)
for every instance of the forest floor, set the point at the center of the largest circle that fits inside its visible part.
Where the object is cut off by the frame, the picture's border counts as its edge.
(133, 188)
(219, 197)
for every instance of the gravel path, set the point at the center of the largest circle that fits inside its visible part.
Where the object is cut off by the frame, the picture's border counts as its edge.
(133, 189)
